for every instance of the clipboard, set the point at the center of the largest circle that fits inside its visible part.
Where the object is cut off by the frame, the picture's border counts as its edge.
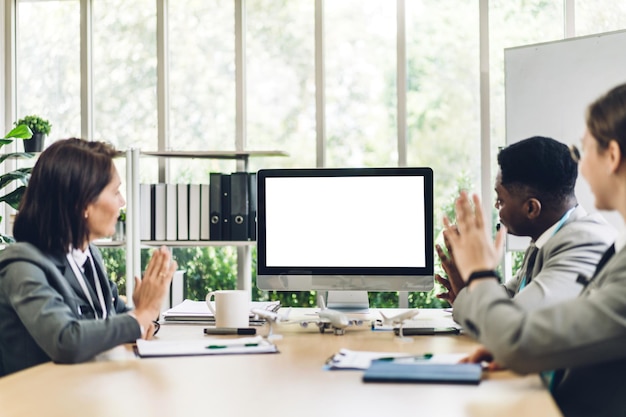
(201, 347)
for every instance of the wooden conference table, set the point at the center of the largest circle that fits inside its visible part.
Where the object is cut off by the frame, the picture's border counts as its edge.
(291, 383)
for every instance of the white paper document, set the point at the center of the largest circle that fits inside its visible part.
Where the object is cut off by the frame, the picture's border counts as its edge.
(206, 346)
(355, 359)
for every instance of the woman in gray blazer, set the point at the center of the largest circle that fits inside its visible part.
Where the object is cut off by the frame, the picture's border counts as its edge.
(56, 301)
(578, 345)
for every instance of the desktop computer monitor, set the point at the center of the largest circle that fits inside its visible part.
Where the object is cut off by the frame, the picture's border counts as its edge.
(346, 229)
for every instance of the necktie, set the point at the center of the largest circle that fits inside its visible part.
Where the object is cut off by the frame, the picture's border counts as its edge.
(529, 263)
(90, 275)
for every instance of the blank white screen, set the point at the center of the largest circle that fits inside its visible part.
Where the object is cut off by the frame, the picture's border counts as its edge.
(362, 221)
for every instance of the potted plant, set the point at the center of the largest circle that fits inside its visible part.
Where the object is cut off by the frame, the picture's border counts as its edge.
(20, 175)
(120, 227)
(39, 127)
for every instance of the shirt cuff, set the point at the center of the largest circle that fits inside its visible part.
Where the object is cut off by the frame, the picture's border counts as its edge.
(141, 328)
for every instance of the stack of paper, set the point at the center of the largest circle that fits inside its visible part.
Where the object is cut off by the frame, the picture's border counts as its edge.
(190, 310)
(207, 346)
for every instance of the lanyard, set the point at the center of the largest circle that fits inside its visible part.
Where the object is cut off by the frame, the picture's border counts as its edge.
(563, 219)
(530, 259)
(83, 284)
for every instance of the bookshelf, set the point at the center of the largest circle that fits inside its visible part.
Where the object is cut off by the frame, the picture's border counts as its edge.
(133, 243)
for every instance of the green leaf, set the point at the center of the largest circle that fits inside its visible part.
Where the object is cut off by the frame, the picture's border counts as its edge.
(6, 239)
(14, 197)
(20, 132)
(17, 155)
(21, 175)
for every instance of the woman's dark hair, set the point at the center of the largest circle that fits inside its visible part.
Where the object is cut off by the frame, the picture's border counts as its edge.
(68, 176)
(606, 118)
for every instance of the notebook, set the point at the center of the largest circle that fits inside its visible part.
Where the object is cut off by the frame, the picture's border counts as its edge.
(460, 373)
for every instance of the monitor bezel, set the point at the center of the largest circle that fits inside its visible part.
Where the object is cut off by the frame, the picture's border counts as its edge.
(320, 278)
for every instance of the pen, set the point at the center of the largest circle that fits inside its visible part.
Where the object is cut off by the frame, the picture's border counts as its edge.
(230, 330)
(423, 357)
(233, 346)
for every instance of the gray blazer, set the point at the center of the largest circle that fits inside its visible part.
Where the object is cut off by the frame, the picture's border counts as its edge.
(573, 250)
(585, 337)
(45, 315)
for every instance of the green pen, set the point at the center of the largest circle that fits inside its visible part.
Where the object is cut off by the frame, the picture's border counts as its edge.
(227, 346)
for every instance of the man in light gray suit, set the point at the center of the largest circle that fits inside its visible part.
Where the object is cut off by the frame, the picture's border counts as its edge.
(535, 197)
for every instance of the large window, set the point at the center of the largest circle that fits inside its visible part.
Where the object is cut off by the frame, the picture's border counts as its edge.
(124, 73)
(280, 79)
(201, 89)
(201, 74)
(594, 16)
(443, 111)
(48, 64)
(281, 83)
(360, 37)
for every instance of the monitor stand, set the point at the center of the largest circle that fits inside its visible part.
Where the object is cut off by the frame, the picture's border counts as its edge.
(348, 301)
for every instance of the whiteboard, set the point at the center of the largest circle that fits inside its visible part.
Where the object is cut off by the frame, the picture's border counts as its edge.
(548, 87)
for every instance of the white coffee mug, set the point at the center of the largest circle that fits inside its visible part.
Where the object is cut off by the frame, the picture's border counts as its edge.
(232, 308)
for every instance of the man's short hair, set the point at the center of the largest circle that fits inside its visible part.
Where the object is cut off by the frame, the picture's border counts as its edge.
(541, 165)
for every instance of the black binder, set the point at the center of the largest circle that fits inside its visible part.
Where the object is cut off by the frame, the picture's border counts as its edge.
(153, 212)
(239, 204)
(252, 190)
(226, 204)
(215, 206)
